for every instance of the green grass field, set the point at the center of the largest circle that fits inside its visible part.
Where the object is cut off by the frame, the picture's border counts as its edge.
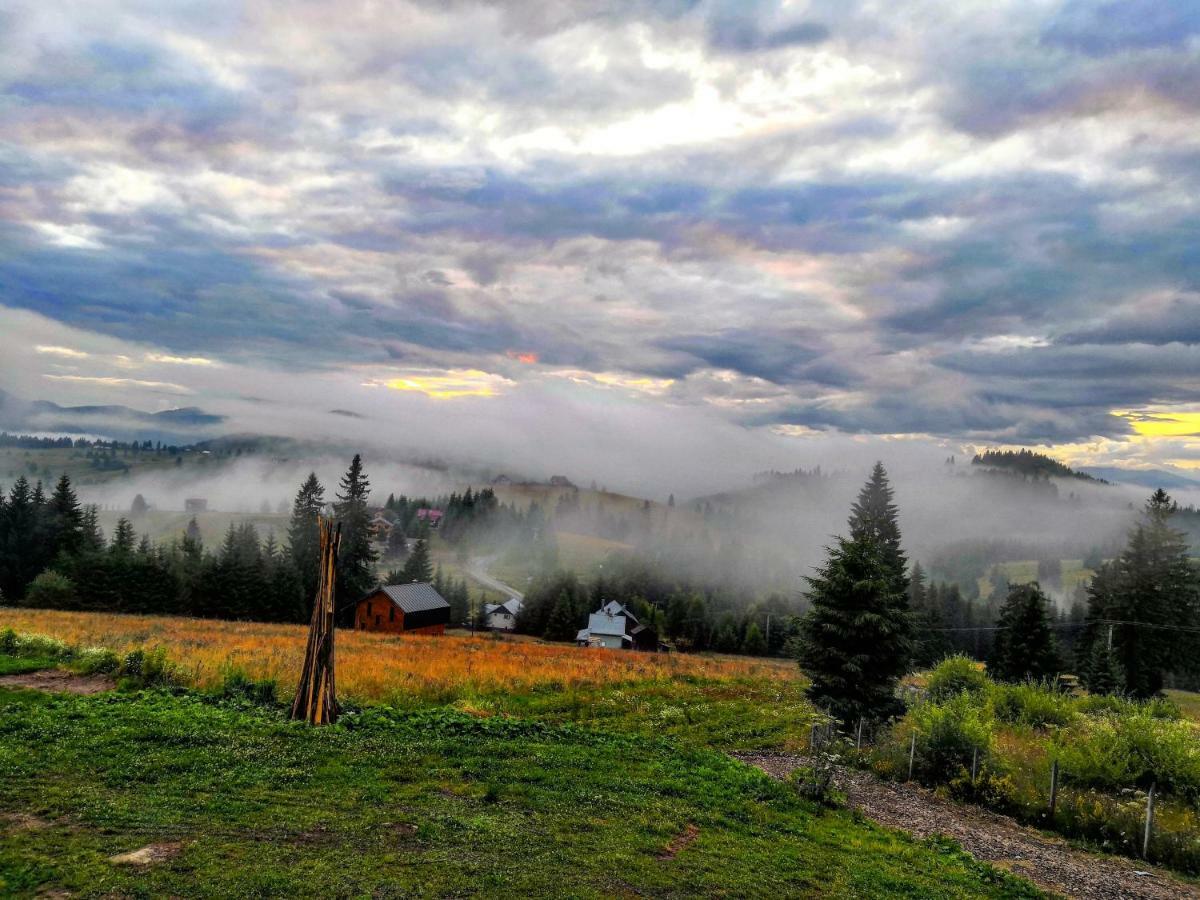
(429, 804)
(1025, 571)
(49, 464)
(162, 526)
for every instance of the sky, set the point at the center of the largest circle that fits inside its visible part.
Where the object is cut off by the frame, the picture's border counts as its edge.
(744, 234)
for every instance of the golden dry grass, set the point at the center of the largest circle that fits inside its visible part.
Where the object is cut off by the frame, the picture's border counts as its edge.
(374, 667)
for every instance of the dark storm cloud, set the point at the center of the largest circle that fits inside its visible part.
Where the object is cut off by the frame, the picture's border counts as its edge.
(767, 354)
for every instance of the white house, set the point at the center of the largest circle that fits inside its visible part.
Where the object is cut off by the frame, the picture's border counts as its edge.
(502, 616)
(608, 627)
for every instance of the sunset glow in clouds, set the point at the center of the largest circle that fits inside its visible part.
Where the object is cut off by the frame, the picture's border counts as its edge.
(963, 223)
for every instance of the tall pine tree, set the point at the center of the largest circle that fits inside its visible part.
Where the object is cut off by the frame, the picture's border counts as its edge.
(1144, 596)
(303, 537)
(855, 642)
(356, 558)
(1025, 646)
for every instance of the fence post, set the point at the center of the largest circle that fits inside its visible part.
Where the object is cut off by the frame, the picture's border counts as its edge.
(812, 739)
(1053, 788)
(974, 763)
(912, 755)
(1149, 821)
(858, 737)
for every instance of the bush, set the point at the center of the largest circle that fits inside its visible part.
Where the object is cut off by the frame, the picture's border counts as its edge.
(956, 674)
(1156, 707)
(148, 668)
(42, 646)
(948, 734)
(236, 685)
(1033, 704)
(1119, 751)
(97, 661)
(50, 589)
(8, 642)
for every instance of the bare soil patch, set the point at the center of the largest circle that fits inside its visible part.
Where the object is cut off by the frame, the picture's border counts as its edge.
(1050, 862)
(16, 821)
(148, 855)
(679, 842)
(57, 681)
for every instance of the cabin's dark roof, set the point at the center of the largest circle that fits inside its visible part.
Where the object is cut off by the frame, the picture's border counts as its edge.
(415, 597)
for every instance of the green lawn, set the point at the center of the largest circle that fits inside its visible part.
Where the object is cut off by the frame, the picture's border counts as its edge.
(426, 803)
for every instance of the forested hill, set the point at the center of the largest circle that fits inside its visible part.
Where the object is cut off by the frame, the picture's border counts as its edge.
(1034, 465)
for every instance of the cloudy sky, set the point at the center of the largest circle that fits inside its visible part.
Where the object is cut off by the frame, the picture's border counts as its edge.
(743, 230)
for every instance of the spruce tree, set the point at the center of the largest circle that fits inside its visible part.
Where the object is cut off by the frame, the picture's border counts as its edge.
(930, 642)
(1147, 593)
(562, 624)
(754, 644)
(418, 566)
(124, 537)
(1103, 674)
(303, 537)
(66, 518)
(874, 517)
(855, 643)
(356, 559)
(1025, 646)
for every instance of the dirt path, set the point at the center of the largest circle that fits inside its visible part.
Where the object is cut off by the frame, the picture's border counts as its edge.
(1049, 862)
(478, 570)
(56, 681)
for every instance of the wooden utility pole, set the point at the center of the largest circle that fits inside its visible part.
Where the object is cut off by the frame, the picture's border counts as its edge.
(1053, 789)
(316, 697)
(1149, 821)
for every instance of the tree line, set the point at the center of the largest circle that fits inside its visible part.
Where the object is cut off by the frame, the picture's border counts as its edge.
(872, 620)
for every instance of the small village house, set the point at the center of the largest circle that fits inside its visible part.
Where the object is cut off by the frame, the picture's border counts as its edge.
(380, 528)
(432, 516)
(195, 505)
(403, 609)
(615, 627)
(502, 616)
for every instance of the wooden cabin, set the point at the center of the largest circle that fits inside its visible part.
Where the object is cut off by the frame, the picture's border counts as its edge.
(403, 609)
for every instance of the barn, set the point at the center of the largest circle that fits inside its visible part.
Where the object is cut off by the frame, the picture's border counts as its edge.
(403, 609)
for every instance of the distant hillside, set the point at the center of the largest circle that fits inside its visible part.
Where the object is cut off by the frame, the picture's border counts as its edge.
(1033, 465)
(1148, 478)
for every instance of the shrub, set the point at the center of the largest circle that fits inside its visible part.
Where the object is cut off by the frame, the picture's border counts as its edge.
(948, 734)
(50, 589)
(956, 674)
(41, 645)
(1120, 751)
(97, 660)
(148, 668)
(1033, 704)
(1156, 707)
(815, 781)
(8, 641)
(236, 685)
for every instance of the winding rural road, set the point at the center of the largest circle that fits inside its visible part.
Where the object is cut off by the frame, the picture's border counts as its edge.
(478, 570)
(1049, 862)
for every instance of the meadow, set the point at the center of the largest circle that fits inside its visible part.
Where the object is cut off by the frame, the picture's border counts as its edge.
(234, 801)
(727, 701)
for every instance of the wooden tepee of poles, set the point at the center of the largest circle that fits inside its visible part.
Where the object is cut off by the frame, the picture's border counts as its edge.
(316, 697)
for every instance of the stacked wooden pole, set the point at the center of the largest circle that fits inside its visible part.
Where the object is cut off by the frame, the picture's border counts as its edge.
(316, 697)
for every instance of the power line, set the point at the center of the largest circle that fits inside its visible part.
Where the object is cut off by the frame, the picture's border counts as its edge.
(1187, 629)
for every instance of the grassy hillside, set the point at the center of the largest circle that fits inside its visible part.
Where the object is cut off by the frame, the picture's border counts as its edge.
(165, 525)
(49, 464)
(730, 702)
(1025, 571)
(238, 802)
